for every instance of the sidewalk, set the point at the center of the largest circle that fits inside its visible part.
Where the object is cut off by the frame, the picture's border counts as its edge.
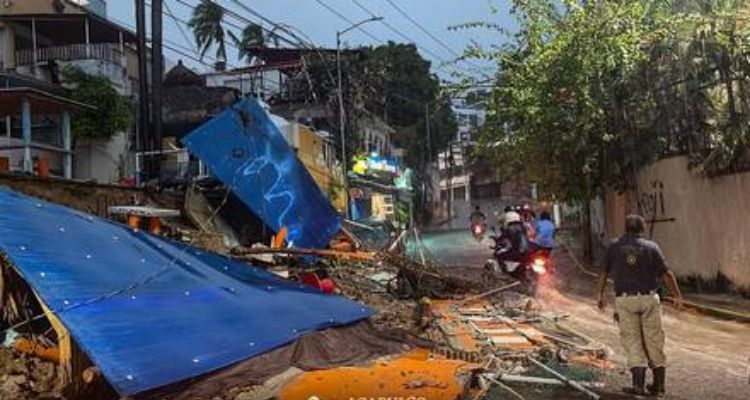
(720, 305)
(727, 306)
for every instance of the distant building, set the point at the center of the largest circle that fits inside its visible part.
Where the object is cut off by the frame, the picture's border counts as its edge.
(465, 181)
(375, 135)
(37, 39)
(470, 118)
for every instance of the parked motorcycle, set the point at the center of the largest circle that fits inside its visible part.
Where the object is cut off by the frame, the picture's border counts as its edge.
(527, 267)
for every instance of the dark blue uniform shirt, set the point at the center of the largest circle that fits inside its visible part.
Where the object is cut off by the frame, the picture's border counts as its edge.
(635, 264)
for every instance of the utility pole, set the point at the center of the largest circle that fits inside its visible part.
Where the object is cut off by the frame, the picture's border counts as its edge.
(342, 116)
(142, 136)
(157, 75)
(429, 134)
(342, 125)
(427, 158)
(450, 181)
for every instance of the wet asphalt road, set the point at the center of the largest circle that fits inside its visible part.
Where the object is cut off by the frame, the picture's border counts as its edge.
(708, 358)
(457, 248)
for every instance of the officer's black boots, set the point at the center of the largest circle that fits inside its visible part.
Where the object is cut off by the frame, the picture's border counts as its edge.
(658, 389)
(639, 381)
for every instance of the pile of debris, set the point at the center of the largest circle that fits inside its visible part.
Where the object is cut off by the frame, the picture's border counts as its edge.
(128, 312)
(27, 377)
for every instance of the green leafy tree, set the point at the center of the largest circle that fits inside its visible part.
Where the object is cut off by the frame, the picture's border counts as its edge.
(395, 80)
(591, 91)
(206, 23)
(112, 114)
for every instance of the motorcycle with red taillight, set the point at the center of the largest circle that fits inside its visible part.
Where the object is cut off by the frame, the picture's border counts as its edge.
(526, 265)
(478, 230)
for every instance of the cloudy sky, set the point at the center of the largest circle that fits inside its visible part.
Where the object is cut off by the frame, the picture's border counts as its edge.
(320, 24)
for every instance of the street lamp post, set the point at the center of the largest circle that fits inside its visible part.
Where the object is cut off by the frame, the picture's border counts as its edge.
(342, 117)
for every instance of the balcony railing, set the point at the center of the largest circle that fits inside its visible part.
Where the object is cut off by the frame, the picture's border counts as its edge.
(71, 52)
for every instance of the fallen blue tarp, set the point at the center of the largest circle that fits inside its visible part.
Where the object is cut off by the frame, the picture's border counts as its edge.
(147, 311)
(246, 151)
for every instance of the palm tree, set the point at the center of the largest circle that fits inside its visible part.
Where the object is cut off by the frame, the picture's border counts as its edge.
(252, 37)
(206, 23)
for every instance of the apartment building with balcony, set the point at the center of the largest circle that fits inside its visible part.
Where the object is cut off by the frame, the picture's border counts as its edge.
(38, 39)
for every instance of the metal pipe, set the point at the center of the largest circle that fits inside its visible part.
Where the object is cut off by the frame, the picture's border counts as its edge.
(546, 381)
(571, 383)
(67, 146)
(33, 43)
(87, 34)
(28, 165)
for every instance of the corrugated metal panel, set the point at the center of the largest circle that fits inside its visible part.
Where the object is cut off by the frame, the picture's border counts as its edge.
(147, 311)
(246, 151)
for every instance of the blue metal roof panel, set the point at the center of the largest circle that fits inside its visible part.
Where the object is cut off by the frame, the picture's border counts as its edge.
(246, 151)
(147, 311)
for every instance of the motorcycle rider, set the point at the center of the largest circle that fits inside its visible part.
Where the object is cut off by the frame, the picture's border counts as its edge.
(478, 223)
(477, 217)
(515, 237)
(528, 217)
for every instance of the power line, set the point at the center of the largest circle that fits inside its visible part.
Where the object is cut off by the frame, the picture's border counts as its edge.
(435, 38)
(276, 25)
(300, 44)
(398, 32)
(414, 101)
(279, 26)
(345, 18)
(236, 16)
(422, 28)
(175, 47)
(182, 31)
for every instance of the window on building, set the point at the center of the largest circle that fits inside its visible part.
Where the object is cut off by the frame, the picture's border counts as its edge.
(474, 120)
(459, 193)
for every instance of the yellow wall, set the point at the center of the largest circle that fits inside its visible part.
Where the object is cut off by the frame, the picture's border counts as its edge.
(311, 149)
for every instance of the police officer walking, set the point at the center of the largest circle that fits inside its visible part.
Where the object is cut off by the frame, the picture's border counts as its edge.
(637, 267)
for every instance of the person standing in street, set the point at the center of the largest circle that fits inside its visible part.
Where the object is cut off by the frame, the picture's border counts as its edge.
(637, 266)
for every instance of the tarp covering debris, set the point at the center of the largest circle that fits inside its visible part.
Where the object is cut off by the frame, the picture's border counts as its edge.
(246, 151)
(149, 312)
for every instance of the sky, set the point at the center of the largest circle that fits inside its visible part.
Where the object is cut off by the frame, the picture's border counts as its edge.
(320, 24)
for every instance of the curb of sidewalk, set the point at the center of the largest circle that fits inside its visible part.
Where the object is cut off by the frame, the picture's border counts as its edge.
(713, 311)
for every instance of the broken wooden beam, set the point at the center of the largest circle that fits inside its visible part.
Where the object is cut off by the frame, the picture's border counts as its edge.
(347, 255)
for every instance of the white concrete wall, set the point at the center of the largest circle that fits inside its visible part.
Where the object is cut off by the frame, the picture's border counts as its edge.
(104, 161)
(702, 223)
